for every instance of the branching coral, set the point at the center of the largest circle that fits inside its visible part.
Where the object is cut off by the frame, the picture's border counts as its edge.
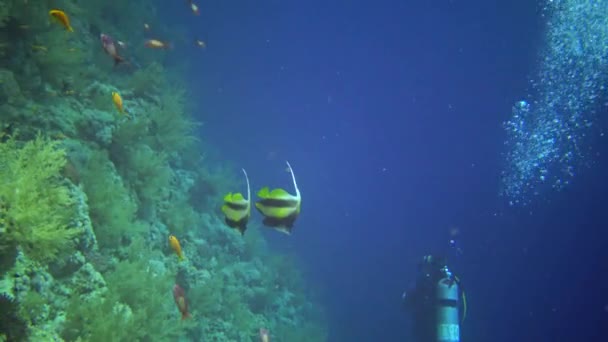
(171, 126)
(207, 297)
(175, 211)
(137, 307)
(179, 216)
(60, 58)
(209, 184)
(112, 209)
(306, 332)
(239, 315)
(12, 327)
(126, 135)
(84, 320)
(220, 300)
(147, 80)
(148, 172)
(36, 203)
(143, 149)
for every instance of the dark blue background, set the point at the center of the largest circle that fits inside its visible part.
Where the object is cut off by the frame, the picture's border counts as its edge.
(390, 113)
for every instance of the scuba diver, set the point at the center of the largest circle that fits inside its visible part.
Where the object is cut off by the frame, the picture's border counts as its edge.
(434, 302)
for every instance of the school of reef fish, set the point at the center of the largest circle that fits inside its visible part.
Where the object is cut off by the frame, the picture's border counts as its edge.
(112, 222)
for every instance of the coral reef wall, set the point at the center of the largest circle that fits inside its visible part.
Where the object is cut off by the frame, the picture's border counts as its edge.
(89, 195)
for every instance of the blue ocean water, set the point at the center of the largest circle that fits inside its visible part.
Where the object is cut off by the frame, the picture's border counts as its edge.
(393, 115)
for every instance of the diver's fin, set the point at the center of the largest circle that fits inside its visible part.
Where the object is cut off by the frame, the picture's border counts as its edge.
(279, 207)
(237, 209)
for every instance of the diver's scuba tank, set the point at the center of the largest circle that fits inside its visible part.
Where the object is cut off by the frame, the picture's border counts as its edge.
(448, 326)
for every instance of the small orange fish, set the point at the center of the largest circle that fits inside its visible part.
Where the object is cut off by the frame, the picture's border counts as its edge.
(174, 243)
(62, 18)
(157, 44)
(117, 99)
(199, 43)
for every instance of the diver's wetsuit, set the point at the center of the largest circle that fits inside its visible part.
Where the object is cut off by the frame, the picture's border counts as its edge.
(420, 301)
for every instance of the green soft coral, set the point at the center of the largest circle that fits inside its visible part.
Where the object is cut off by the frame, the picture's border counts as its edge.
(138, 306)
(173, 129)
(36, 204)
(112, 208)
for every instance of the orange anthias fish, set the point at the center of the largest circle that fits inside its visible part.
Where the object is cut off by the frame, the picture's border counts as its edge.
(264, 335)
(62, 18)
(174, 243)
(157, 44)
(179, 295)
(118, 102)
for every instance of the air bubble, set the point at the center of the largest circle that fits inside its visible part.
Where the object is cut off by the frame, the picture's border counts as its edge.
(547, 142)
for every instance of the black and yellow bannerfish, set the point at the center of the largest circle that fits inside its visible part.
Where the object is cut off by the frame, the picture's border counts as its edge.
(237, 209)
(279, 207)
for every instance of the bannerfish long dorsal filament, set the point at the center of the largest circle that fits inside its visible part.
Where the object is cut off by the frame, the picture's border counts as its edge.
(237, 209)
(279, 207)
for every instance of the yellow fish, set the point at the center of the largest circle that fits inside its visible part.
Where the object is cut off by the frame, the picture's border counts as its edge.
(280, 208)
(62, 18)
(117, 99)
(157, 44)
(174, 243)
(117, 102)
(238, 208)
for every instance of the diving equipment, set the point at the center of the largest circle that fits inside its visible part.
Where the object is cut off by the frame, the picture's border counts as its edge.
(448, 325)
